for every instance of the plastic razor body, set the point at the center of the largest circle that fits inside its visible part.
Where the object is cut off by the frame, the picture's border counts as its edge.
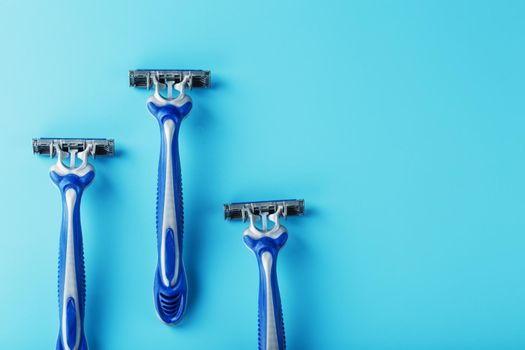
(170, 279)
(71, 182)
(271, 323)
(71, 274)
(266, 243)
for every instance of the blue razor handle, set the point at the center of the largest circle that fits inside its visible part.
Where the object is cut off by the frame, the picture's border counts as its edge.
(271, 324)
(170, 286)
(71, 274)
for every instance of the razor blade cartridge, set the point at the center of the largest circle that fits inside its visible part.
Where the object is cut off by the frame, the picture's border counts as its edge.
(99, 147)
(236, 211)
(145, 78)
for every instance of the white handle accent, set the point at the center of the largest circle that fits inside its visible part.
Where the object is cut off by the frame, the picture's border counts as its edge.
(169, 218)
(271, 331)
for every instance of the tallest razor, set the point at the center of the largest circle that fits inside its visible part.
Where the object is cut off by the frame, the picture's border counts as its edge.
(170, 279)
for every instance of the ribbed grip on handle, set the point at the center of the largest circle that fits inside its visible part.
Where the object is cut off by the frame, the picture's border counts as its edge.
(170, 279)
(271, 323)
(71, 273)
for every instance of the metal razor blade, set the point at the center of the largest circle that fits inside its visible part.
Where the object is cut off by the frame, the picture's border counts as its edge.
(48, 146)
(237, 211)
(145, 78)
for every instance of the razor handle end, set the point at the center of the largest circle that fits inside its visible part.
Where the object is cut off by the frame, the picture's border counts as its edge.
(71, 273)
(170, 286)
(271, 323)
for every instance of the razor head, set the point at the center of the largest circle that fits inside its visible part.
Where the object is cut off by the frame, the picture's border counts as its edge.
(48, 146)
(237, 211)
(144, 78)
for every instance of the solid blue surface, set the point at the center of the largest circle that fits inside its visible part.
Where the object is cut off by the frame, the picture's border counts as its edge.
(401, 125)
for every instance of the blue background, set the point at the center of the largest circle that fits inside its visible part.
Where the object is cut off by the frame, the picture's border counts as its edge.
(400, 123)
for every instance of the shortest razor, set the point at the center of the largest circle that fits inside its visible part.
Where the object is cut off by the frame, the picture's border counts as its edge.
(71, 180)
(266, 242)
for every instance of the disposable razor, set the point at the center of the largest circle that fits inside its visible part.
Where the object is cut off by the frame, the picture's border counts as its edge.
(170, 285)
(71, 180)
(265, 242)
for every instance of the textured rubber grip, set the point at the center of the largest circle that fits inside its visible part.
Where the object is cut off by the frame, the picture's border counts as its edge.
(170, 286)
(71, 273)
(271, 323)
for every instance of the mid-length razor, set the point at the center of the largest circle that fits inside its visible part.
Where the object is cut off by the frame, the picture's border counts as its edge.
(170, 286)
(266, 242)
(71, 180)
